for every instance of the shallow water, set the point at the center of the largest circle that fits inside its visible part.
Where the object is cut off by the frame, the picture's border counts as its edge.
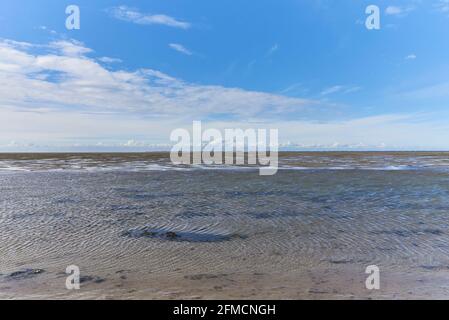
(139, 162)
(135, 231)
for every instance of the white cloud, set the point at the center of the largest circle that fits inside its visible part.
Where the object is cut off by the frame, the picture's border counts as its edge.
(71, 48)
(339, 89)
(398, 11)
(109, 60)
(45, 28)
(64, 78)
(438, 90)
(60, 96)
(443, 6)
(133, 15)
(18, 44)
(180, 48)
(272, 50)
(392, 10)
(411, 56)
(21, 130)
(331, 90)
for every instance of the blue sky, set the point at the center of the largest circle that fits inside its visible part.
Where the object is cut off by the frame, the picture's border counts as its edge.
(137, 70)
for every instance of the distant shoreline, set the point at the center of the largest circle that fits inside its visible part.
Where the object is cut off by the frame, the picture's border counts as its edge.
(280, 152)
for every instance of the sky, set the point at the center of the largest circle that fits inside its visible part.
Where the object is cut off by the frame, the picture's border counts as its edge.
(135, 71)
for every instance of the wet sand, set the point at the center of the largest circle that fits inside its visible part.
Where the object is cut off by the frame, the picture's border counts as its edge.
(336, 283)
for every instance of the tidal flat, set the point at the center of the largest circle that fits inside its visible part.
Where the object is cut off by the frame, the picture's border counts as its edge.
(139, 227)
